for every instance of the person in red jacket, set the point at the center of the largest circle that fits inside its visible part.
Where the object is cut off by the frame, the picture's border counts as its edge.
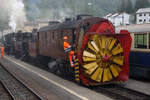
(2, 51)
(67, 48)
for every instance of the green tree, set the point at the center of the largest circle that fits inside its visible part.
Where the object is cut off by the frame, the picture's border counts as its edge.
(129, 7)
(122, 6)
(3, 25)
(141, 4)
(125, 6)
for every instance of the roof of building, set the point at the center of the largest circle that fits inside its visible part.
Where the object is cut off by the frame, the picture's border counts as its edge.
(108, 15)
(114, 15)
(143, 10)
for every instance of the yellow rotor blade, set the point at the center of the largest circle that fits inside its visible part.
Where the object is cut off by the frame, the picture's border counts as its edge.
(86, 59)
(97, 75)
(99, 62)
(107, 76)
(97, 42)
(103, 42)
(118, 60)
(112, 43)
(91, 47)
(118, 49)
(94, 45)
(107, 42)
(94, 37)
(114, 70)
(102, 53)
(90, 65)
(91, 69)
(118, 68)
(100, 42)
(100, 45)
(88, 54)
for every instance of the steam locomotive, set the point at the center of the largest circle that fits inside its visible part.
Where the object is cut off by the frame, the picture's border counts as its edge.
(17, 43)
(101, 54)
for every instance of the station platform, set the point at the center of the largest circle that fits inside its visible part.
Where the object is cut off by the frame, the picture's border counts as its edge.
(140, 86)
(47, 85)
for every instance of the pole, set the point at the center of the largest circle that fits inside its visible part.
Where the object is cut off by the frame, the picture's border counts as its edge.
(2, 36)
(123, 18)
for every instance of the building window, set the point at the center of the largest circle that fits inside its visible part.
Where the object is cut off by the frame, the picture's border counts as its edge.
(144, 20)
(140, 20)
(140, 14)
(144, 14)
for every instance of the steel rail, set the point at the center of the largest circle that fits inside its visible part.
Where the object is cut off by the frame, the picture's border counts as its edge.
(28, 87)
(21, 82)
(118, 92)
(6, 90)
(10, 93)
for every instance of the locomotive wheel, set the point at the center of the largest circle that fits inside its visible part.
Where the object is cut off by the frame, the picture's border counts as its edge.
(102, 58)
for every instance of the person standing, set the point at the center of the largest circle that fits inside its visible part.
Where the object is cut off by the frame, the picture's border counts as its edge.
(2, 51)
(67, 48)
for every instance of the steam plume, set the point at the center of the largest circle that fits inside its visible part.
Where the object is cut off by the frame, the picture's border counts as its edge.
(17, 14)
(12, 23)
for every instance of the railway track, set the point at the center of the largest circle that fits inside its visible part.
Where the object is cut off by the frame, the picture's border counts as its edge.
(4, 95)
(12, 89)
(119, 92)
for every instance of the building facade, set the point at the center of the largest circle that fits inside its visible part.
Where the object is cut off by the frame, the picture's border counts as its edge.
(119, 18)
(143, 16)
